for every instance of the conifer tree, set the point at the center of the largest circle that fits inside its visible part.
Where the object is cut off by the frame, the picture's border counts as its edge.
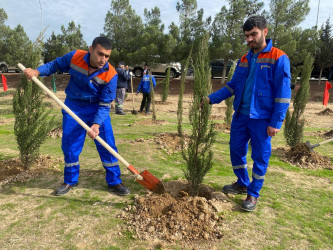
(31, 118)
(198, 155)
(294, 123)
(152, 99)
(181, 93)
(166, 84)
(229, 111)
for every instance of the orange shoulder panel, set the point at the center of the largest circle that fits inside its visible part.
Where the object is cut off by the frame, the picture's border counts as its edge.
(108, 75)
(77, 59)
(275, 53)
(244, 59)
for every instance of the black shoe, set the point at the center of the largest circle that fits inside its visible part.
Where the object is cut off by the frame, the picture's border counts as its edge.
(234, 188)
(119, 189)
(249, 204)
(64, 188)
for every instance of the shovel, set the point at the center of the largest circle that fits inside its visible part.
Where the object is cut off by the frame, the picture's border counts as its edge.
(145, 178)
(311, 147)
(134, 112)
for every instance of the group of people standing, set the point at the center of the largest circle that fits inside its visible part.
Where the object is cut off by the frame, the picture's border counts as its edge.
(124, 84)
(260, 85)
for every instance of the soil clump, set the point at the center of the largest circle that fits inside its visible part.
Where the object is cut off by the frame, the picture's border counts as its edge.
(301, 156)
(327, 111)
(175, 215)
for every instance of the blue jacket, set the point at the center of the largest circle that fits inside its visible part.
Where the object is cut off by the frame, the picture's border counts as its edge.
(144, 85)
(97, 89)
(271, 91)
(123, 77)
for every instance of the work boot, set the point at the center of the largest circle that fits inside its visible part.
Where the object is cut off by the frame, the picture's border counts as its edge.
(249, 204)
(120, 113)
(119, 189)
(64, 188)
(234, 188)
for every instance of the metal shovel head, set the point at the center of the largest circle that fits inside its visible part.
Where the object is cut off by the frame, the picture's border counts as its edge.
(151, 182)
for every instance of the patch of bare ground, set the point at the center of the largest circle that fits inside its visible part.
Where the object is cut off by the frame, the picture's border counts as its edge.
(326, 111)
(301, 156)
(55, 133)
(170, 142)
(150, 122)
(222, 127)
(12, 170)
(177, 216)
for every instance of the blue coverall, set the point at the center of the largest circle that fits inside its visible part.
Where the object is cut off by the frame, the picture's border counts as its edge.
(89, 97)
(269, 102)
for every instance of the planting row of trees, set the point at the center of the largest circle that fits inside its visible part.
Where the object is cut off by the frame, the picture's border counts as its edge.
(135, 40)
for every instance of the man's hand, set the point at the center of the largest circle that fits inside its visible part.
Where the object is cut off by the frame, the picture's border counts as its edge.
(29, 73)
(272, 131)
(204, 100)
(94, 131)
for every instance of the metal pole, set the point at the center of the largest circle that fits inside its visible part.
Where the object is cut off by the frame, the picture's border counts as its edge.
(317, 15)
(41, 10)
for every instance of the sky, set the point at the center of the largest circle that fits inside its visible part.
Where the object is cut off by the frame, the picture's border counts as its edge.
(34, 15)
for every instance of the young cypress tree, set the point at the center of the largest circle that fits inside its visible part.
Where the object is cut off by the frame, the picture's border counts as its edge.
(152, 99)
(229, 111)
(31, 118)
(166, 85)
(198, 155)
(181, 94)
(294, 124)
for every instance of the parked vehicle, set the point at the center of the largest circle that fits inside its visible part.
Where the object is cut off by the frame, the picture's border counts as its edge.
(216, 66)
(4, 68)
(158, 69)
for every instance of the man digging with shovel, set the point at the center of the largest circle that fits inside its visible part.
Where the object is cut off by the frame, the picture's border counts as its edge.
(89, 93)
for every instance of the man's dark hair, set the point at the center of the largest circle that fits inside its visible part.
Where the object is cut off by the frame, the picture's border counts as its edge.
(103, 41)
(255, 21)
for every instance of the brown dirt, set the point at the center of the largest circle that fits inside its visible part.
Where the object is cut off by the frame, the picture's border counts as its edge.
(12, 170)
(326, 112)
(176, 216)
(301, 156)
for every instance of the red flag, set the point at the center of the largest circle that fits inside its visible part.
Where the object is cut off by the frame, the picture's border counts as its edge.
(4, 83)
(326, 93)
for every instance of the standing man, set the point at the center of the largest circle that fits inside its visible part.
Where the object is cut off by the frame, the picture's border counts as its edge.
(89, 93)
(261, 85)
(128, 74)
(121, 88)
(144, 87)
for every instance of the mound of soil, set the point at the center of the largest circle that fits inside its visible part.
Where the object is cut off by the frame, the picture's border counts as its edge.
(12, 170)
(328, 134)
(326, 112)
(55, 133)
(300, 155)
(222, 127)
(175, 215)
(169, 142)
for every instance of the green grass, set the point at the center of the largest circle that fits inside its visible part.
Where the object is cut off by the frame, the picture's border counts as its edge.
(295, 209)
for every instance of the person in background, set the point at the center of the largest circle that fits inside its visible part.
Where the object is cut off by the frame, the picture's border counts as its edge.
(89, 93)
(121, 89)
(144, 87)
(261, 86)
(128, 74)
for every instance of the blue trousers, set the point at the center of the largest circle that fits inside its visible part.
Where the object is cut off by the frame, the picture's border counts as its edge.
(73, 140)
(243, 130)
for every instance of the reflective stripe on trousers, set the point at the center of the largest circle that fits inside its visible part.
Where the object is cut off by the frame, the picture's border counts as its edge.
(72, 143)
(254, 131)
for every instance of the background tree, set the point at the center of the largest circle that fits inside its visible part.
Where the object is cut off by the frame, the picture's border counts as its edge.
(181, 94)
(198, 155)
(70, 39)
(124, 28)
(31, 118)
(227, 30)
(324, 53)
(229, 101)
(294, 124)
(166, 84)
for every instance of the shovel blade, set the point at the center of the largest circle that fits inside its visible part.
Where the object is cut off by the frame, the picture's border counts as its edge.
(151, 182)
